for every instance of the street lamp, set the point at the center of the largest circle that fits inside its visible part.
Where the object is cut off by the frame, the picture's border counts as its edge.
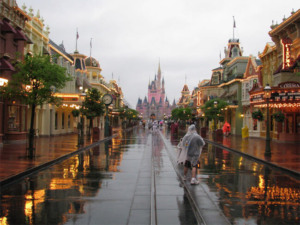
(267, 90)
(107, 99)
(215, 120)
(80, 124)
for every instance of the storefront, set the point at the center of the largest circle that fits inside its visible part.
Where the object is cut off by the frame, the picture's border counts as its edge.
(285, 99)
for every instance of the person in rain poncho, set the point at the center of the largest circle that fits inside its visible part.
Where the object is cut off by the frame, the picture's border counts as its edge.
(226, 129)
(192, 142)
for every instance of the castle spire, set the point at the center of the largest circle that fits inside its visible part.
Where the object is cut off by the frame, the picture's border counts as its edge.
(159, 71)
(159, 76)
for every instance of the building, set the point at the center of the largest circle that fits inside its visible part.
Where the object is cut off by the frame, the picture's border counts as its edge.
(13, 125)
(157, 105)
(85, 72)
(280, 70)
(225, 83)
(251, 78)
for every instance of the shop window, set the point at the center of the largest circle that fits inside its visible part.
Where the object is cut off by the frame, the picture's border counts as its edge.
(56, 121)
(254, 124)
(298, 124)
(69, 121)
(289, 124)
(13, 118)
(63, 121)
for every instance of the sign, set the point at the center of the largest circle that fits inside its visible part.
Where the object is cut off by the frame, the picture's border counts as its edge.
(286, 52)
(290, 84)
(286, 96)
(257, 98)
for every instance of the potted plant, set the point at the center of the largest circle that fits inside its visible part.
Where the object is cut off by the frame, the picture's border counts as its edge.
(278, 116)
(258, 115)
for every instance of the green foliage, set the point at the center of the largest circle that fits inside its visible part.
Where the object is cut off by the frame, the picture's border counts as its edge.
(35, 81)
(214, 111)
(258, 115)
(129, 114)
(181, 114)
(75, 112)
(278, 116)
(93, 106)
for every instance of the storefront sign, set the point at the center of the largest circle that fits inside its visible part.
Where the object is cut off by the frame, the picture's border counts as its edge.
(257, 98)
(285, 96)
(289, 85)
(286, 52)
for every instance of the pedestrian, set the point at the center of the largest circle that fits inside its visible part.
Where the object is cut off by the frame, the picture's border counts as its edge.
(226, 129)
(193, 144)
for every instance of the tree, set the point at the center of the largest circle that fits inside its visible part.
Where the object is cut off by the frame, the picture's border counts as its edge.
(34, 84)
(213, 110)
(181, 114)
(129, 114)
(92, 106)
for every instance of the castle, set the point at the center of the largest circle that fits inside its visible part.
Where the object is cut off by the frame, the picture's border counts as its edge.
(157, 106)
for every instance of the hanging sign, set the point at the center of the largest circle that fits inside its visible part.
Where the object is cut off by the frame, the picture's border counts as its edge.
(286, 52)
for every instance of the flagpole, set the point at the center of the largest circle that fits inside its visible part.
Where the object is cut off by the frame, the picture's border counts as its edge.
(91, 47)
(76, 38)
(233, 27)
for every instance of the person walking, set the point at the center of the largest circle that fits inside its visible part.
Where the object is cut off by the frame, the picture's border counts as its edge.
(193, 144)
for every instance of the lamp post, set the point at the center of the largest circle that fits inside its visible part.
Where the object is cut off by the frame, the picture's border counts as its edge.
(80, 124)
(107, 99)
(267, 90)
(215, 120)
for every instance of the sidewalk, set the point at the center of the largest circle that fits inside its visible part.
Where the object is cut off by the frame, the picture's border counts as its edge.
(286, 155)
(13, 160)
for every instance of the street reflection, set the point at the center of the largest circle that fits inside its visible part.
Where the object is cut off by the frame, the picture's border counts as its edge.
(247, 192)
(51, 196)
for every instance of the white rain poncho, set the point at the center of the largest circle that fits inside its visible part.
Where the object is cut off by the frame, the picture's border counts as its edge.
(193, 143)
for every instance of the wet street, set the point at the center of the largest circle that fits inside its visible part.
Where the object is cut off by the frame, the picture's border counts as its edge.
(133, 179)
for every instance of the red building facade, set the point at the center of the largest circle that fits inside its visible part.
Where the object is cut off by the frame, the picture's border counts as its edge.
(13, 125)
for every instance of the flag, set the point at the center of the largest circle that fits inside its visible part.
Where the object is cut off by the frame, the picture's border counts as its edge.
(91, 43)
(77, 35)
(234, 23)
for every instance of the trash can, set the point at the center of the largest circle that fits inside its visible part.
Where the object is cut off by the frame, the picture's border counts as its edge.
(219, 135)
(96, 134)
(245, 132)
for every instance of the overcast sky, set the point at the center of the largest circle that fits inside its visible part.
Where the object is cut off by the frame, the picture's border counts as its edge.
(129, 37)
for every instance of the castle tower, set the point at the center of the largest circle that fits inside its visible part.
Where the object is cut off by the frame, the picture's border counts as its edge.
(156, 103)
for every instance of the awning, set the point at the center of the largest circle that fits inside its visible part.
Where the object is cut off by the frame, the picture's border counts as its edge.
(5, 65)
(20, 35)
(6, 27)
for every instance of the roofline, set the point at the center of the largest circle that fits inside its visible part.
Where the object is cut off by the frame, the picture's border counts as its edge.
(284, 23)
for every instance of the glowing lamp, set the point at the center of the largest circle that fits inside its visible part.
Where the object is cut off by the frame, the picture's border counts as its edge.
(3, 82)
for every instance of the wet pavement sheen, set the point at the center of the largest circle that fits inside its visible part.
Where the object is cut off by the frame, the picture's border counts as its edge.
(111, 184)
